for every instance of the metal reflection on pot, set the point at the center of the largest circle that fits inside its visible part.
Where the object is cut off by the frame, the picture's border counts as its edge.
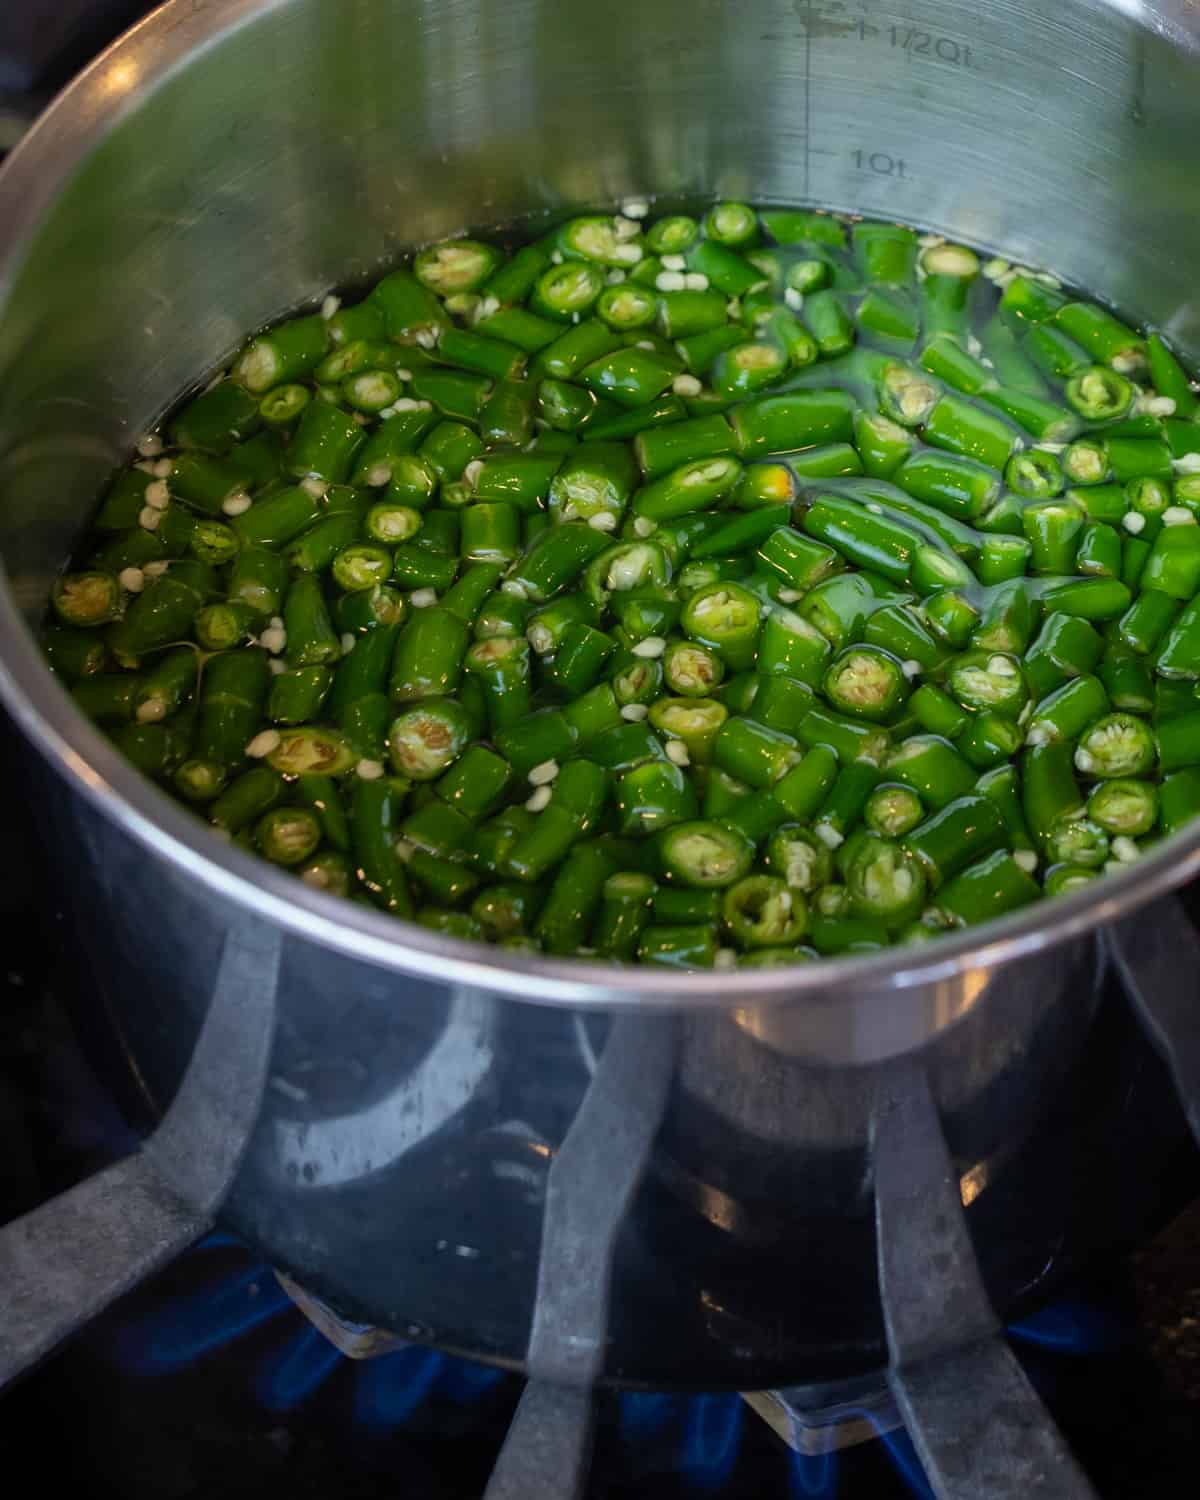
(335, 1150)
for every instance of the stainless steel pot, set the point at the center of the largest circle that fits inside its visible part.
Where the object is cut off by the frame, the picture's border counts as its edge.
(230, 160)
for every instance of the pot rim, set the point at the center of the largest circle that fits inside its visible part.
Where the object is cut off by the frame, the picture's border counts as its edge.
(105, 92)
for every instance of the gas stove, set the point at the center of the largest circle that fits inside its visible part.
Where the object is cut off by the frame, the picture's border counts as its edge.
(219, 1376)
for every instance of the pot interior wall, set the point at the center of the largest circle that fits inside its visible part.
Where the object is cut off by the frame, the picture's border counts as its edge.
(308, 143)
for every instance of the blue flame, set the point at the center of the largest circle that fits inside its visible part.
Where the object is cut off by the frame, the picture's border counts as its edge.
(644, 1414)
(391, 1388)
(299, 1369)
(221, 1239)
(464, 1381)
(180, 1331)
(713, 1432)
(187, 1329)
(1071, 1327)
(814, 1474)
(902, 1453)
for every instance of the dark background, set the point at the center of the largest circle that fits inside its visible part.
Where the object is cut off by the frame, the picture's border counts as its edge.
(43, 42)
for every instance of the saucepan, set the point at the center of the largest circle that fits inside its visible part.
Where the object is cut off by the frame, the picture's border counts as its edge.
(379, 1107)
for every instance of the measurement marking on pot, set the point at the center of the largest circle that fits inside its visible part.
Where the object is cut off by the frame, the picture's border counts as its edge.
(880, 163)
(808, 98)
(917, 43)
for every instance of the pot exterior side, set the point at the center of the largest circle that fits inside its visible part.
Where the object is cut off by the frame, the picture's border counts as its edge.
(228, 162)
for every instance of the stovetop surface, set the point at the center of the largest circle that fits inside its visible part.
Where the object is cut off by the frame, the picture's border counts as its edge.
(208, 1384)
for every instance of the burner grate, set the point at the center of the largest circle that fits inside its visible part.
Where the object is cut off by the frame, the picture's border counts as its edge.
(949, 1363)
(274, 1373)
